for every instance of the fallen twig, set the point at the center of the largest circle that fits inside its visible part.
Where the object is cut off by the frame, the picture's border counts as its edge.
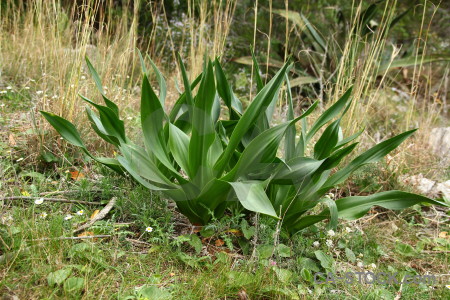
(99, 216)
(137, 242)
(72, 238)
(75, 191)
(50, 200)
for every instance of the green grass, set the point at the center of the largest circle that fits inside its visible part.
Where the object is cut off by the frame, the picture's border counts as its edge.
(171, 263)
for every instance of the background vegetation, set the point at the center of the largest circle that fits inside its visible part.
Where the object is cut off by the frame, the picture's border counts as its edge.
(400, 75)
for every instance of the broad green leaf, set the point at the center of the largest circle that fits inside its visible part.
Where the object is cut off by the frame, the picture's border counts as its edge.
(213, 194)
(412, 61)
(64, 128)
(296, 171)
(203, 133)
(161, 81)
(314, 35)
(152, 118)
(187, 86)
(183, 100)
(260, 152)
(350, 255)
(332, 208)
(154, 293)
(138, 160)
(99, 129)
(225, 92)
(333, 160)
(284, 251)
(252, 196)
(355, 207)
(110, 120)
(289, 146)
(370, 156)
(329, 114)
(111, 105)
(58, 277)
(326, 261)
(179, 147)
(327, 141)
(259, 82)
(347, 140)
(73, 285)
(256, 108)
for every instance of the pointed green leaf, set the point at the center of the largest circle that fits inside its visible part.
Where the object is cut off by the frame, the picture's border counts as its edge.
(252, 196)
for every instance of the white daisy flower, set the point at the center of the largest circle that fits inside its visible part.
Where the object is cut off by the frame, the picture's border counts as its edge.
(329, 243)
(80, 212)
(43, 215)
(39, 201)
(39, 92)
(348, 229)
(3, 92)
(27, 87)
(316, 244)
(68, 217)
(331, 232)
(9, 87)
(149, 229)
(83, 77)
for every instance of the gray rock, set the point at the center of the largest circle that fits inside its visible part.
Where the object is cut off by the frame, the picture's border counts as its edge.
(439, 141)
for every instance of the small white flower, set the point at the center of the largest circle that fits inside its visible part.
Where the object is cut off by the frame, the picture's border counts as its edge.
(54, 96)
(39, 201)
(316, 244)
(80, 212)
(360, 264)
(372, 266)
(361, 255)
(43, 215)
(129, 118)
(3, 92)
(43, 74)
(329, 243)
(9, 87)
(39, 92)
(72, 85)
(348, 229)
(2, 105)
(149, 229)
(331, 232)
(83, 77)
(331, 195)
(27, 87)
(68, 217)
(20, 159)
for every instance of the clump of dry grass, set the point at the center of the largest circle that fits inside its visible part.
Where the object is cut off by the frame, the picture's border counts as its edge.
(43, 48)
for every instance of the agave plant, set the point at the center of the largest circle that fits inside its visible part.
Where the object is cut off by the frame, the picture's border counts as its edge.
(204, 157)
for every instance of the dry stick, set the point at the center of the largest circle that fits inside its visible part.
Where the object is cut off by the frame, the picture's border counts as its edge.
(72, 238)
(99, 216)
(69, 192)
(50, 200)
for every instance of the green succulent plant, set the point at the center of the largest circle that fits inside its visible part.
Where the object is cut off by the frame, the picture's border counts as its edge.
(205, 156)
